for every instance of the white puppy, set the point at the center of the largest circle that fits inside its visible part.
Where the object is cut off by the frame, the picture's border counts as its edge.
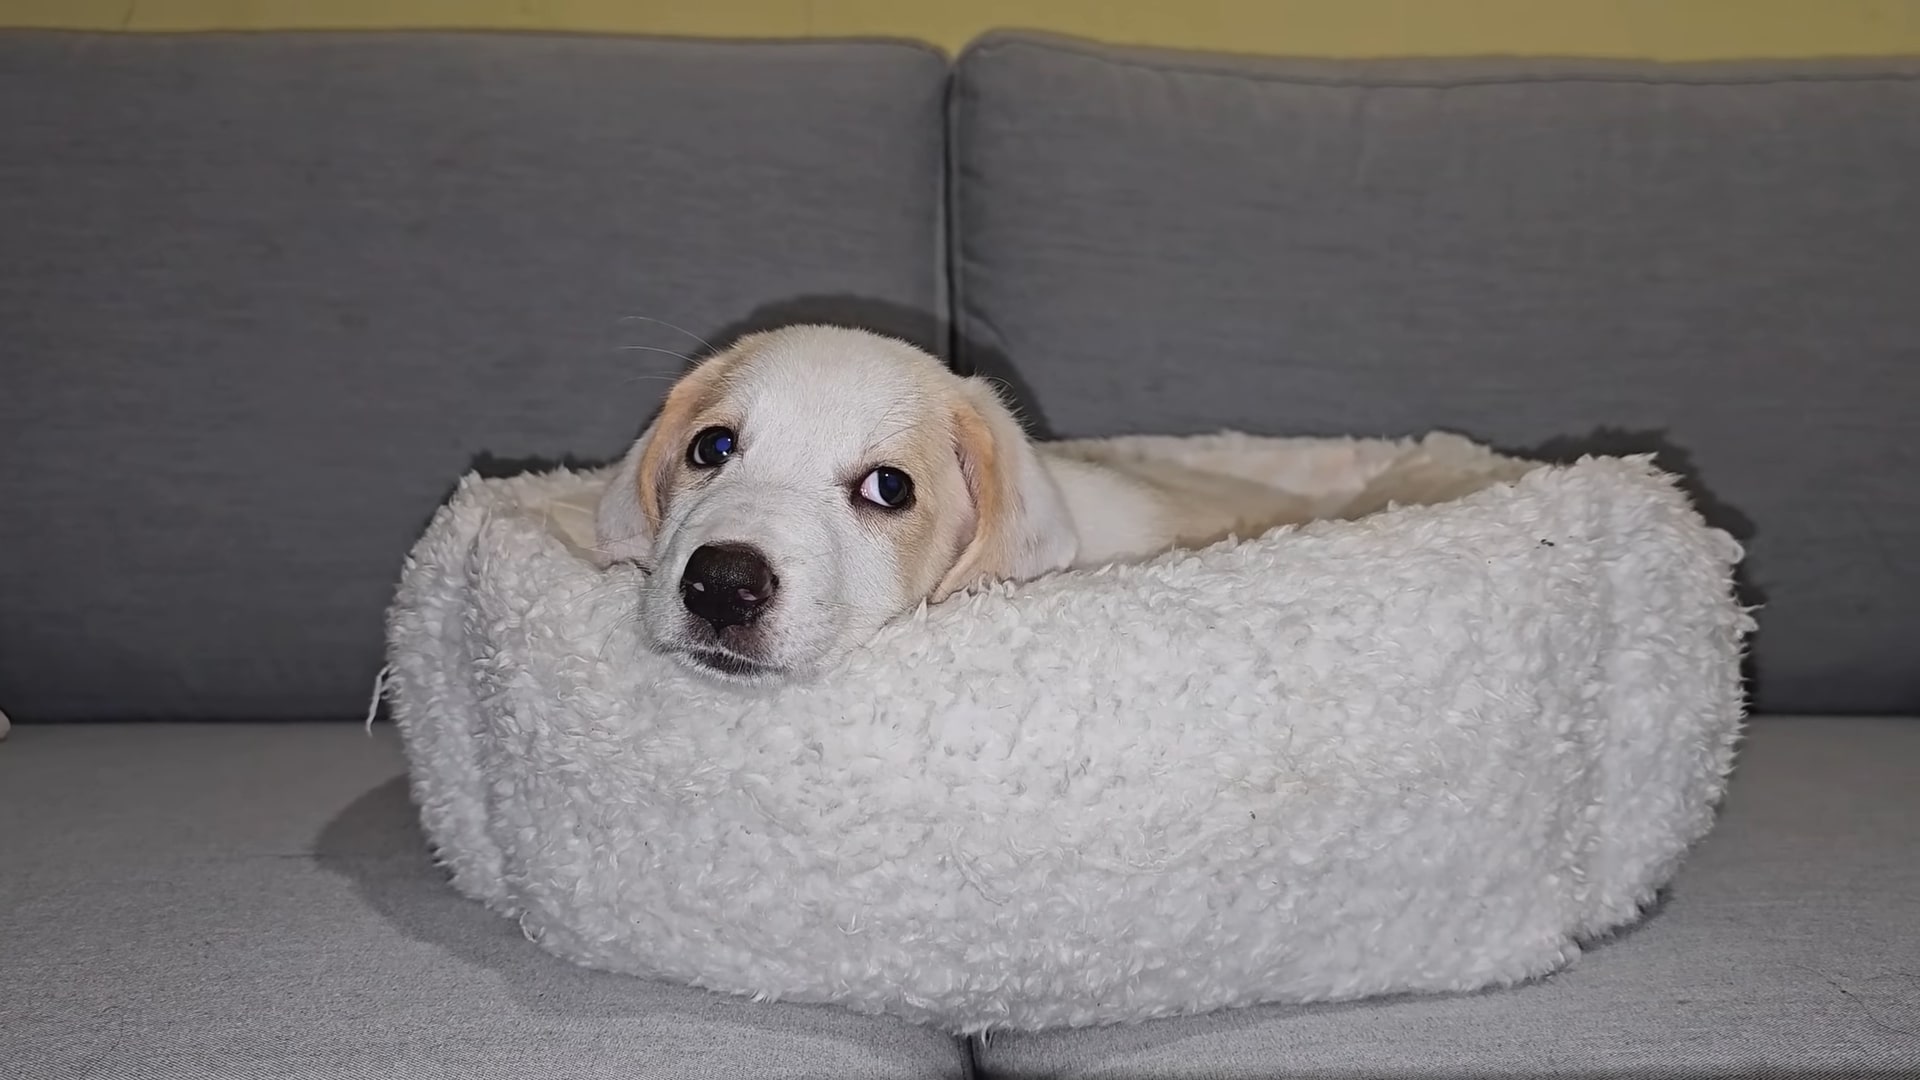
(807, 485)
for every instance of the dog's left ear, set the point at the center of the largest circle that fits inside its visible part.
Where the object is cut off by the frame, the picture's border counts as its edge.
(635, 499)
(1021, 526)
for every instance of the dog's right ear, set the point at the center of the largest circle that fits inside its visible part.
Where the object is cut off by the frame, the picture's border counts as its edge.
(634, 502)
(621, 529)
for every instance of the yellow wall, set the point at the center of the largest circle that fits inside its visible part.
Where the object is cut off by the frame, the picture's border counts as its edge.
(1660, 29)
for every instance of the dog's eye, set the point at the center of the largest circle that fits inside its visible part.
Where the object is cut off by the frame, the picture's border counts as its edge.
(888, 487)
(711, 447)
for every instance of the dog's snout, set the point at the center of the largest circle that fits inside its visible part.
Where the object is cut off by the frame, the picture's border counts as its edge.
(727, 584)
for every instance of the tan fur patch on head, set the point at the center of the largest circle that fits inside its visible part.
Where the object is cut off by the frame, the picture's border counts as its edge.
(929, 537)
(991, 491)
(664, 461)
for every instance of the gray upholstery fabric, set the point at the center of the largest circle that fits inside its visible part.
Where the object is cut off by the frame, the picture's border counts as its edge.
(265, 296)
(1714, 261)
(1787, 947)
(255, 900)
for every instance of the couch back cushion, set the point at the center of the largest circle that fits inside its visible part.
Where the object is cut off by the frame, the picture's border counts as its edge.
(1720, 263)
(266, 296)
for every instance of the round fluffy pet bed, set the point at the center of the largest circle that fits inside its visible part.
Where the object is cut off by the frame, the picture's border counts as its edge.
(1418, 748)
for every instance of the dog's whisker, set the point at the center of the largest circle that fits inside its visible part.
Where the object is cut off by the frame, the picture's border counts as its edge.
(601, 591)
(887, 434)
(603, 546)
(607, 639)
(708, 345)
(606, 610)
(654, 349)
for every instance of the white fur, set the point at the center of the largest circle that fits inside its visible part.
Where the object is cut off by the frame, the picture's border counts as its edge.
(1432, 749)
(815, 408)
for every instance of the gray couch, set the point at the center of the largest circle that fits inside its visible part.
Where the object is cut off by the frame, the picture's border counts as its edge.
(265, 296)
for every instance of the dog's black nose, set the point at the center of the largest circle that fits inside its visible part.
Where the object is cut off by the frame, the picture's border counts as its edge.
(727, 584)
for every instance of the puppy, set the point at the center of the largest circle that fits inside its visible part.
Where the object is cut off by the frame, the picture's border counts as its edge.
(807, 485)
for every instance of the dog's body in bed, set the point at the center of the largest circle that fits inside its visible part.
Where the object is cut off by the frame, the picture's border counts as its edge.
(807, 485)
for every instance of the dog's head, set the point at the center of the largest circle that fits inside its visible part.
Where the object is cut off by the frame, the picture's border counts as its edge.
(807, 485)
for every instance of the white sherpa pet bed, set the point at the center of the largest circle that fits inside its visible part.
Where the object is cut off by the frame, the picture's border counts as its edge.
(1434, 748)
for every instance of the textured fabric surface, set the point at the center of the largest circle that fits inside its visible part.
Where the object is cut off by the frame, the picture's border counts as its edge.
(1717, 262)
(1427, 749)
(264, 294)
(256, 900)
(1786, 948)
